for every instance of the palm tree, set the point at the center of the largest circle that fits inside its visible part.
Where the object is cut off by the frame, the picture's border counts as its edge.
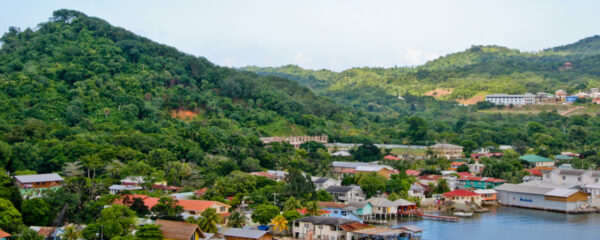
(236, 220)
(71, 233)
(292, 204)
(73, 169)
(279, 223)
(209, 220)
(313, 208)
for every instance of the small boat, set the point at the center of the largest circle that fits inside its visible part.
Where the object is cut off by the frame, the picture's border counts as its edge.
(463, 214)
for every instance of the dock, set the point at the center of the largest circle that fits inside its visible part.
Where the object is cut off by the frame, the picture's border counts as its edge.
(439, 218)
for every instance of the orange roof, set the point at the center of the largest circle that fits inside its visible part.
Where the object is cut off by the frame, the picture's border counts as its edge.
(534, 172)
(348, 170)
(457, 163)
(187, 204)
(411, 172)
(464, 174)
(4, 234)
(460, 193)
(304, 211)
(201, 191)
(391, 157)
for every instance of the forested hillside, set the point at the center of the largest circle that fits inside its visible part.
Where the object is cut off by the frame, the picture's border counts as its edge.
(78, 88)
(475, 71)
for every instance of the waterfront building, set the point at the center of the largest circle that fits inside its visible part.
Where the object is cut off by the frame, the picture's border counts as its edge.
(537, 161)
(346, 194)
(418, 190)
(541, 196)
(322, 228)
(33, 185)
(488, 196)
(362, 209)
(465, 197)
(448, 151)
(508, 99)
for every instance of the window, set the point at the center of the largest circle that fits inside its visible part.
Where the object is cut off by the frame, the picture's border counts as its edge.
(596, 180)
(335, 212)
(579, 179)
(222, 209)
(564, 177)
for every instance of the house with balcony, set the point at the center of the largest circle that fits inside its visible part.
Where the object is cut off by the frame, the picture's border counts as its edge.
(318, 227)
(32, 185)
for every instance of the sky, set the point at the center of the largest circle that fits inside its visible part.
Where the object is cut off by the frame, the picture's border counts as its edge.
(335, 35)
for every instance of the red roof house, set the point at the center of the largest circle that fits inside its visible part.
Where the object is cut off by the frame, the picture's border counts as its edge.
(464, 174)
(192, 207)
(534, 172)
(460, 193)
(4, 234)
(411, 172)
(391, 157)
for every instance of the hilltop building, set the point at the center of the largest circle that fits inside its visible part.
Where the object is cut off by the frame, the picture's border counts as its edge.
(32, 185)
(448, 151)
(508, 99)
(296, 141)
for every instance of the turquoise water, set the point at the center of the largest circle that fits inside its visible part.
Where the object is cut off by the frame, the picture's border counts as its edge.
(513, 223)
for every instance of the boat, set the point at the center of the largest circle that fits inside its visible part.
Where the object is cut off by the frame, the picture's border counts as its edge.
(463, 214)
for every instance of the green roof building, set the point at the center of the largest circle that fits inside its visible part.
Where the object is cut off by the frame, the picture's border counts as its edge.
(562, 157)
(537, 161)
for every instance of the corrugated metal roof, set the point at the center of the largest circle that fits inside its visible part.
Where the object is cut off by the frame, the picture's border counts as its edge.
(339, 189)
(244, 233)
(349, 164)
(381, 202)
(561, 192)
(535, 158)
(49, 177)
(445, 145)
(485, 191)
(373, 168)
(520, 188)
(318, 220)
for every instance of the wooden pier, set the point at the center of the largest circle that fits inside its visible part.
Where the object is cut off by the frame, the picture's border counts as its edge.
(439, 218)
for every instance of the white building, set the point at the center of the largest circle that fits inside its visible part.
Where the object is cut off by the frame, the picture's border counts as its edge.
(507, 99)
(322, 183)
(346, 194)
(540, 196)
(417, 191)
(115, 189)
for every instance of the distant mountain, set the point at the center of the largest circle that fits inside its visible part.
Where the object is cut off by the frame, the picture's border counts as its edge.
(589, 45)
(471, 73)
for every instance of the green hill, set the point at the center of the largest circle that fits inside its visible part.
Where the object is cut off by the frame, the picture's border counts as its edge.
(78, 88)
(477, 70)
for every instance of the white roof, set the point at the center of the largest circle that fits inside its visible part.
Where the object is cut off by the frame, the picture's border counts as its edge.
(380, 202)
(403, 202)
(183, 195)
(49, 177)
(277, 173)
(373, 168)
(561, 192)
(485, 191)
(349, 164)
(342, 154)
(521, 188)
(445, 145)
(133, 179)
(124, 187)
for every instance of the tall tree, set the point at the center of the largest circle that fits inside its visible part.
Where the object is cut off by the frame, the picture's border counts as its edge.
(149, 231)
(10, 217)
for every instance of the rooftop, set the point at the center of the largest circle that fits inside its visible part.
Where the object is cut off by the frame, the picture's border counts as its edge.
(318, 220)
(48, 177)
(178, 230)
(535, 158)
(522, 188)
(460, 193)
(340, 189)
(245, 233)
(349, 164)
(445, 145)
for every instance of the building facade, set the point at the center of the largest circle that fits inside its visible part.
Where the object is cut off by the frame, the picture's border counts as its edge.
(508, 99)
(346, 194)
(448, 151)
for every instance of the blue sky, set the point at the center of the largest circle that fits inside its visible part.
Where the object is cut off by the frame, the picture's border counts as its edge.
(331, 34)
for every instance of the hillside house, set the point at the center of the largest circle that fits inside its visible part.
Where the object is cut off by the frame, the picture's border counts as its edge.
(49, 233)
(179, 230)
(488, 196)
(382, 170)
(346, 194)
(448, 151)
(4, 235)
(191, 208)
(418, 190)
(537, 161)
(32, 185)
(322, 183)
(480, 182)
